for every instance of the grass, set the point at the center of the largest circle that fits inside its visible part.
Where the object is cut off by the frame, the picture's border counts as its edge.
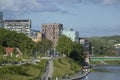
(65, 66)
(24, 72)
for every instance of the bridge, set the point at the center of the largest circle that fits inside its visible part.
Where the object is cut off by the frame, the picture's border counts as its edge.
(104, 58)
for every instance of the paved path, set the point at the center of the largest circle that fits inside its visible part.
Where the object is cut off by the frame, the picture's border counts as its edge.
(49, 70)
(78, 76)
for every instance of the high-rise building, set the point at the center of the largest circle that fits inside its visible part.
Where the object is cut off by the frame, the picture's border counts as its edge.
(52, 32)
(1, 20)
(73, 35)
(20, 26)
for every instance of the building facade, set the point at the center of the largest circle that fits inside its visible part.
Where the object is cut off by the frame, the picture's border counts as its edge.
(85, 44)
(73, 35)
(20, 26)
(1, 20)
(36, 35)
(52, 32)
(117, 49)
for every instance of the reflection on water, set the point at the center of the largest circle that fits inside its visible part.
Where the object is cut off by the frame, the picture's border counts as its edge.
(86, 77)
(104, 73)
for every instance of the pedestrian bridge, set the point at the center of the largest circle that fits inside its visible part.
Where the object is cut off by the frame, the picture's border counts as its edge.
(104, 58)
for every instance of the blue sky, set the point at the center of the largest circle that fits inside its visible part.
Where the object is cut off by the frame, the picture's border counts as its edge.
(89, 17)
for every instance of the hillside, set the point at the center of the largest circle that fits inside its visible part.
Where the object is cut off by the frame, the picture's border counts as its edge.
(104, 45)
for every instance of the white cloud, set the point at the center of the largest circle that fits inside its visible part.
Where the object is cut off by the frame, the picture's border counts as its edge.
(46, 5)
(19, 5)
(15, 7)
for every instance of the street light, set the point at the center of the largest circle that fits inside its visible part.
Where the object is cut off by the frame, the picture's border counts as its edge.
(92, 51)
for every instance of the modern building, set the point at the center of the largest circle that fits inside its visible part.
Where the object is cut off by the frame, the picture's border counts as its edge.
(73, 35)
(85, 44)
(20, 26)
(1, 20)
(36, 35)
(52, 32)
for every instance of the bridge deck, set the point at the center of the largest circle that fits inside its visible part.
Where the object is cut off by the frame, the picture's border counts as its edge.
(104, 58)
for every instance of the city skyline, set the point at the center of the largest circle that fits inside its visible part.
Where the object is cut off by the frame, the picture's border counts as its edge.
(89, 17)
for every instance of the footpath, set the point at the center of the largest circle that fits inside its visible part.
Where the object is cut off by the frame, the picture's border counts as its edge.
(79, 75)
(49, 70)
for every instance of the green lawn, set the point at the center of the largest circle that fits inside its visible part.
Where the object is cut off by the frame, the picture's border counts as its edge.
(65, 66)
(24, 72)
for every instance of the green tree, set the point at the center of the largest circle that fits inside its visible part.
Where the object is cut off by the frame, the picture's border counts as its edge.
(13, 39)
(72, 49)
(44, 45)
(77, 52)
(103, 45)
(64, 45)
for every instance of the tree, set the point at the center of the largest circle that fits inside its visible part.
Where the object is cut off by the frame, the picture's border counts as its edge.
(64, 45)
(44, 45)
(103, 45)
(13, 39)
(77, 52)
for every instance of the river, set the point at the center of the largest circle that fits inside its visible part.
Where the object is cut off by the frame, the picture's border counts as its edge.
(104, 73)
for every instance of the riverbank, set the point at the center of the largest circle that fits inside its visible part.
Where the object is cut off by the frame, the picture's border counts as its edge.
(81, 75)
(65, 67)
(78, 75)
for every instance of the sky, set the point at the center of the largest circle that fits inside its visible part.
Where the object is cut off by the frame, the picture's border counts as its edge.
(88, 17)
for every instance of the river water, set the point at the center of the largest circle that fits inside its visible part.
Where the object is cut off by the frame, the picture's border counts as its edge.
(104, 73)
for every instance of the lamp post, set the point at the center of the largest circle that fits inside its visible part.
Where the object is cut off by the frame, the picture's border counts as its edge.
(92, 51)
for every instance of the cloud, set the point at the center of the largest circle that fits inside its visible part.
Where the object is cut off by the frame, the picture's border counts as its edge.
(46, 5)
(103, 2)
(19, 5)
(30, 5)
(16, 7)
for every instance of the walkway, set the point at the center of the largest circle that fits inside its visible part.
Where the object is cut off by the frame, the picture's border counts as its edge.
(49, 70)
(81, 75)
(78, 76)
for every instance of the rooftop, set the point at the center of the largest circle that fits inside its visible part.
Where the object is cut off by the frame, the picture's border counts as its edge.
(26, 20)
